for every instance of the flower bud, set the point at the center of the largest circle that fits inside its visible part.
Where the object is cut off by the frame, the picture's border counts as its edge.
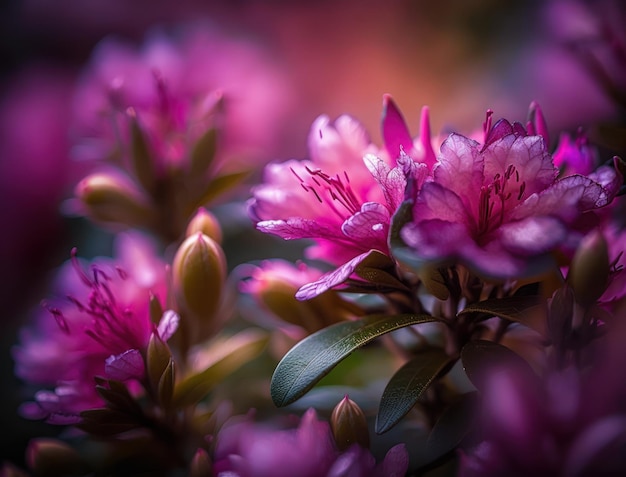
(201, 464)
(589, 272)
(274, 285)
(205, 223)
(112, 198)
(51, 457)
(199, 271)
(349, 425)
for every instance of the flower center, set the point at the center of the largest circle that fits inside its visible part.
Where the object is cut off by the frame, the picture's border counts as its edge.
(332, 191)
(494, 199)
(110, 324)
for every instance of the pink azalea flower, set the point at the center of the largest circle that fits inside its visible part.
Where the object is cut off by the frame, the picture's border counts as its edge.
(499, 207)
(343, 197)
(100, 326)
(245, 449)
(173, 85)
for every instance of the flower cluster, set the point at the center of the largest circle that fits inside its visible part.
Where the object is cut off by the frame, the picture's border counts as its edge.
(458, 306)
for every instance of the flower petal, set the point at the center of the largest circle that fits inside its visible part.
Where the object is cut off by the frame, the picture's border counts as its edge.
(127, 365)
(331, 279)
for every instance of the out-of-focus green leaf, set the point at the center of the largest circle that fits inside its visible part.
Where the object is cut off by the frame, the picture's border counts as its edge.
(453, 425)
(433, 281)
(218, 186)
(142, 160)
(117, 397)
(481, 357)
(166, 385)
(225, 358)
(158, 357)
(107, 422)
(527, 310)
(407, 385)
(203, 153)
(313, 357)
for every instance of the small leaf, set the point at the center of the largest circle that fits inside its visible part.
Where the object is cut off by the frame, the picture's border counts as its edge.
(117, 397)
(400, 218)
(203, 154)
(142, 160)
(218, 186)
(433, 281)
(157, 360)
(481, 358)
(156, 310)
(226, 358)
(313, 357)
(407, 385)
(107, 422)
(527, 310)
(166, 385)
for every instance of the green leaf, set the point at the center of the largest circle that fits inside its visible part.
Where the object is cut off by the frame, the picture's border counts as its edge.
(481, 358)
(142, 160)
(407, 385)
(224, 358)
(117, 397)
(433, 281)
(203, 153)
(527, 310)
(158, 358)
(313, 357)
(107, 422)
(454, 423)
(218, 186)
(166, 385)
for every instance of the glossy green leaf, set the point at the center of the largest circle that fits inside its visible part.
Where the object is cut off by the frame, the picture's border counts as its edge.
(313, 357)
(480, 358)
(407, 385)
(527, 310)
(224, 358)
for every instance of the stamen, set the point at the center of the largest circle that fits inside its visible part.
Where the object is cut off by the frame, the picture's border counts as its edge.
(58, 317)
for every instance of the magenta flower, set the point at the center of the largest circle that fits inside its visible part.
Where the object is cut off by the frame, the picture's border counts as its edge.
(173, 84)
(567, 423)
(499, 207)
(343, 197)
(245, 449)
(100, 328)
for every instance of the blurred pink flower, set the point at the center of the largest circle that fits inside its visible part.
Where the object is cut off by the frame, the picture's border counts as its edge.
(499, 207)
(246, 449)
(99, 326)
(173, 84)
(561, 424)
(34, 173)
(343, 197)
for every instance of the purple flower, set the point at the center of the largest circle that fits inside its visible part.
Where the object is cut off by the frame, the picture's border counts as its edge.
(343, 197)
(99, 326)
(567, 423)
(499, 207)
(245, 449)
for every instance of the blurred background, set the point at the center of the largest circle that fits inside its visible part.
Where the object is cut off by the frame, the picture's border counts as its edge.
(329, 56)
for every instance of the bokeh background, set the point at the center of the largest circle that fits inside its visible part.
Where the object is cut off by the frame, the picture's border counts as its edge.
(333, 57)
